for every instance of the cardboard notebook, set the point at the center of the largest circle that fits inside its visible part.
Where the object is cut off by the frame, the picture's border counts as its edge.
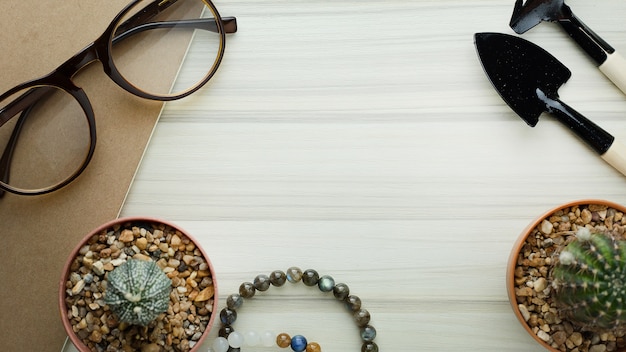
(37, 233)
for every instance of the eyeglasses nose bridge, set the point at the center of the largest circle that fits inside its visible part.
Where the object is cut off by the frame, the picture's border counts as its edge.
(90, 53)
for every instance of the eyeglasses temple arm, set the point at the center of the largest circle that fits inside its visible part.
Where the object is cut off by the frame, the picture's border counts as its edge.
(7, 155)
(142, 17)
(230, 24)
(208, 24)
(22, 103)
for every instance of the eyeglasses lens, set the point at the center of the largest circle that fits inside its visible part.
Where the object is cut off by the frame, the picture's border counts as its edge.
(45, 140)
(143, 49)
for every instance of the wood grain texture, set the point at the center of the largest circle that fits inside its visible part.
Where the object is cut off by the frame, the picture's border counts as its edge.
(362, 139)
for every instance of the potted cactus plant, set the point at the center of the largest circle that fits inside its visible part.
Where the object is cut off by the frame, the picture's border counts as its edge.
(138, 291)
(590, 281)
(137, 284)
(566, 277)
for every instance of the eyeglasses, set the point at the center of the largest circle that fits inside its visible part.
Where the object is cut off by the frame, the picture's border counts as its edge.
(47, 125)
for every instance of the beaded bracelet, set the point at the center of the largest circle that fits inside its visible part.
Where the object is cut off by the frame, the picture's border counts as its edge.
(297, 343)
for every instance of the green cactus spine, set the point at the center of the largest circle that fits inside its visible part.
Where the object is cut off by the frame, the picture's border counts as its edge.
(138, 291)
(590, 281)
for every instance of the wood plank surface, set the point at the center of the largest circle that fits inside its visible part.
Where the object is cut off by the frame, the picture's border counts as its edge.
(362, 139)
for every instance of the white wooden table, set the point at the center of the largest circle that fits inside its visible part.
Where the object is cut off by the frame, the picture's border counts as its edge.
(362, 139)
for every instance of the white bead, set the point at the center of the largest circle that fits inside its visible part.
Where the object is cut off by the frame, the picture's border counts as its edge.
(251, 338)
(235, 339)
(220, 344)
(268, 338)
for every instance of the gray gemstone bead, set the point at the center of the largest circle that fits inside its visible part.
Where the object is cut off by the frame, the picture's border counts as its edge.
(310, 277)
(326, 283)
(369, 347)
(368, 333)
(294, 274)
(234, 301)
(341, 291)
(228, 316)
(362, 317)
(353, 303)
(262, 282)
(278, 278)
(247, 290)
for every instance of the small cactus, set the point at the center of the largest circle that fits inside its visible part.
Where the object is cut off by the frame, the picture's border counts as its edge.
(590, 281)
(138, 291)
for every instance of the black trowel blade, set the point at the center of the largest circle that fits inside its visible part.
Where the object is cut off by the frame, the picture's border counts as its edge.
(518, 69)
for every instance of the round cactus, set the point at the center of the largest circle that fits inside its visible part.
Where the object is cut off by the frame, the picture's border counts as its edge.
(138, 291)
(590, 281)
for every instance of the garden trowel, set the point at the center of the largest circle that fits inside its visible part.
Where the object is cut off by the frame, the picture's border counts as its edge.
(530, 13)
(528, 78)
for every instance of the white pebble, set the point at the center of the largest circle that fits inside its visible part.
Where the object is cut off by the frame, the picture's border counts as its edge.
(78, 287)
(543, 335)
(75, 277)
(525, 313)
(546, 227)
(598, 348)
(98, 268)
(117, 262)
(540, 284)
(220, 344)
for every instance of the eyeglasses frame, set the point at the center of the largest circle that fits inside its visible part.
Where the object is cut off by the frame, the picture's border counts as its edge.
(98, 50)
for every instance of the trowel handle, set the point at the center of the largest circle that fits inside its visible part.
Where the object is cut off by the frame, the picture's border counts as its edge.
(595, 136)
(614, 67)
(616, 156)
(610, 149)
(610, 62)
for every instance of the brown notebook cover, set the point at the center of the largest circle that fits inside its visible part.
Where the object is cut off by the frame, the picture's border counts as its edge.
(37, 233)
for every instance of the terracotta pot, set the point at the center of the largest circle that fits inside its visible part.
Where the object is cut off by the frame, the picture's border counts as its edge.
(63, 284)
(512, 263)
